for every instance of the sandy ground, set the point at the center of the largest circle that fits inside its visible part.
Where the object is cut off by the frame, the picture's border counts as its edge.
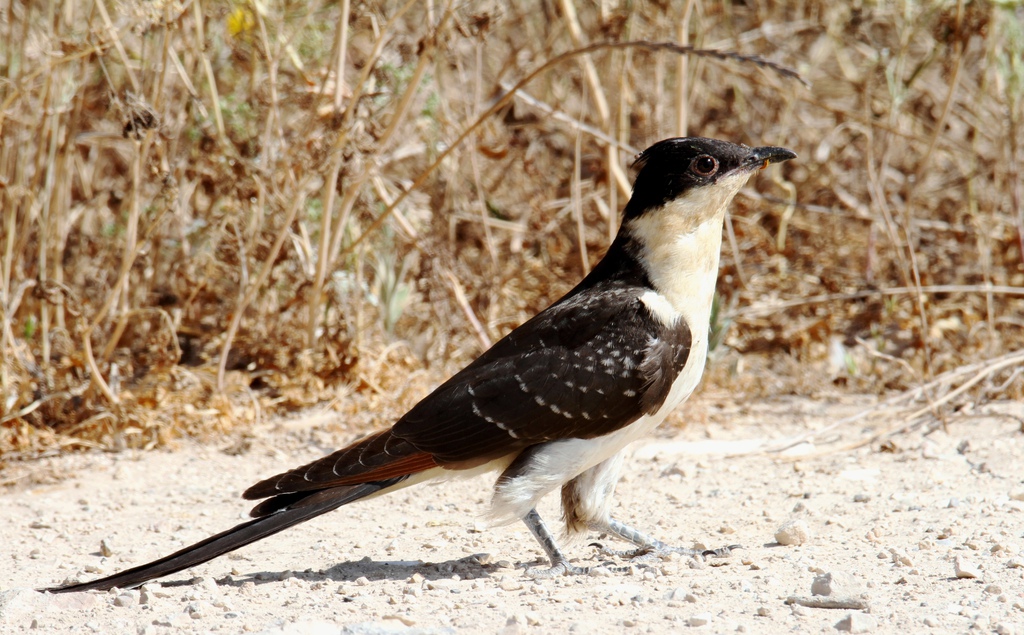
(925, 534)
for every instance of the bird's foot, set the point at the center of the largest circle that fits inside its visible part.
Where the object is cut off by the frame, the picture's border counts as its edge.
(559, 568)
(650, 549)
(647, 554)
(559, 563)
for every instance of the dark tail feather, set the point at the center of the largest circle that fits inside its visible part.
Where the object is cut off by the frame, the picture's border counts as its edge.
(312, 505)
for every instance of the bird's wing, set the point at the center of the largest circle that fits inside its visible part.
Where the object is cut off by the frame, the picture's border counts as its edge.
(592, 363)
(588, 366)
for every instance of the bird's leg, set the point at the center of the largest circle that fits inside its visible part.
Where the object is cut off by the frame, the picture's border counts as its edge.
(649, 546)
(559, 563)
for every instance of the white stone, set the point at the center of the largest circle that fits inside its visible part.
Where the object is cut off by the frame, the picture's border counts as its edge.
(794, 532)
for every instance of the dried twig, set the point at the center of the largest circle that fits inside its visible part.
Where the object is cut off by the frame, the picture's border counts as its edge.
(897, 405)
(777, 307)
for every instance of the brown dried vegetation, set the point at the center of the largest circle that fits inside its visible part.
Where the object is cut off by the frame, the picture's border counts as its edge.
(205, 222)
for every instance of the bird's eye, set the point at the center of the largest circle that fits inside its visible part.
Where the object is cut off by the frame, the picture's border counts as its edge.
(705, 165)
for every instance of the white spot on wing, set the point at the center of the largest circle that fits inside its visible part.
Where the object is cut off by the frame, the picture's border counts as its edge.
(493, 421)
(510, 431)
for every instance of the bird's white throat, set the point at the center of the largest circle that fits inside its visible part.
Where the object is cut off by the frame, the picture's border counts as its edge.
(681, 243)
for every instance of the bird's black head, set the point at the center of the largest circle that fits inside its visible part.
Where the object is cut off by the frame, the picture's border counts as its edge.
(674, 168)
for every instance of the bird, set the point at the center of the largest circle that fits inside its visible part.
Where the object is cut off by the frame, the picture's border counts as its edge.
(552, 405)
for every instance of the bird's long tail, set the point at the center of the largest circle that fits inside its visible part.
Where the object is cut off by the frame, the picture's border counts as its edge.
(368, 466)
(310, 505)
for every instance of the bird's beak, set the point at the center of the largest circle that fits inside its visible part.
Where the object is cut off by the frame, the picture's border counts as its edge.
(760, 158)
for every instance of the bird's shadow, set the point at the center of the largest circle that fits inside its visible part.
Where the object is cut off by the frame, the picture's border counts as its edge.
(468, 568)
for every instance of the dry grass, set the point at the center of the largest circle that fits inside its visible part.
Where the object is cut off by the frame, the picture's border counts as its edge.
(216, 211)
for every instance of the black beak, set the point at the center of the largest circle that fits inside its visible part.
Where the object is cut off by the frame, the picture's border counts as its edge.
(763, 157)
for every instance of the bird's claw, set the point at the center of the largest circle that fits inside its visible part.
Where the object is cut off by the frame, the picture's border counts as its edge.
(619, 553)
(721, 552)
(560, 568)
(651, 553)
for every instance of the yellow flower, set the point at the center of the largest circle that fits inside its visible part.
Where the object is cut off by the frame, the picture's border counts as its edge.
(240, 20)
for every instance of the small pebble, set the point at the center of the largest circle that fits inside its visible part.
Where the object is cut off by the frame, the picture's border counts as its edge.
(695, 563)
(835, 584)
(794, 532)
(700, 619)
(510, 585)
(900, 557)
(483, 558)
(198, 610)
(965, 568)
(441, 585)
(857, 623)
(929, 450)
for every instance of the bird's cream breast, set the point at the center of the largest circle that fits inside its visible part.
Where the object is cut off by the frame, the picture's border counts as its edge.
(681, 243)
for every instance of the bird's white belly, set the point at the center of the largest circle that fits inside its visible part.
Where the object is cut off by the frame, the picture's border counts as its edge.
(558, 462)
